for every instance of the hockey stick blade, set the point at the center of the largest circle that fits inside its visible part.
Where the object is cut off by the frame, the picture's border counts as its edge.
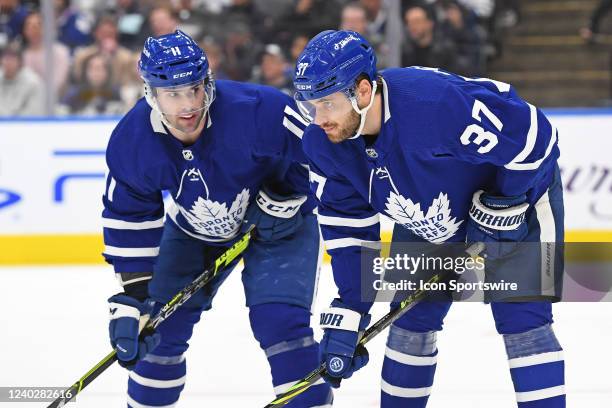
(179, 299)
(372, 331)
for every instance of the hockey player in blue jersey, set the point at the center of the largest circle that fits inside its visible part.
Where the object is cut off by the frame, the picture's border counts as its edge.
(448, 159)
(229, 155)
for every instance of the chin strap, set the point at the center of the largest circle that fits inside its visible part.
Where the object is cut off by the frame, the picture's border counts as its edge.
(363, 112)
(153, 104)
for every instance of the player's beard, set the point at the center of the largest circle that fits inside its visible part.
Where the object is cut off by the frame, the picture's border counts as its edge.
(347, 130)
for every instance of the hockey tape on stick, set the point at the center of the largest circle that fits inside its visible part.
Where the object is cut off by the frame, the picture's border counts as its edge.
(371, 332)
(180, 298)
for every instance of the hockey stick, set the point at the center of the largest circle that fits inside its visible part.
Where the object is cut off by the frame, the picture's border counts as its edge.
(371, 332)
(180, 298)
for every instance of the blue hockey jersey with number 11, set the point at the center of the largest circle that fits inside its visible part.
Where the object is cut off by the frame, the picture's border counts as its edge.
(442, 138)
(251, 139)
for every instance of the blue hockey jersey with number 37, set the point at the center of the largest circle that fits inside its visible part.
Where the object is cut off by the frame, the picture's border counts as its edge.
(442, 138)
(251, 137)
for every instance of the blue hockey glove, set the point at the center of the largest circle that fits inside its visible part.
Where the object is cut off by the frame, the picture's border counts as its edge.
(126, 315)
(275, 216)
(339, 348)
(498, 222)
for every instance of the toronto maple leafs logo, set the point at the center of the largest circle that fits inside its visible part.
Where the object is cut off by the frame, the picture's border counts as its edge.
(213, 218)
(436, 226)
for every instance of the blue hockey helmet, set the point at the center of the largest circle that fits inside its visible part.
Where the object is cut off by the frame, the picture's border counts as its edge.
(332, 61)
(172, 60)
(178, 81)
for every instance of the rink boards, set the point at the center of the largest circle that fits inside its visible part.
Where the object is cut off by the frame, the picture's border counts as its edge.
(52, 176)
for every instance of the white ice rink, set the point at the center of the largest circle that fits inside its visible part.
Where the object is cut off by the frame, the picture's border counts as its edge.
(54, 328)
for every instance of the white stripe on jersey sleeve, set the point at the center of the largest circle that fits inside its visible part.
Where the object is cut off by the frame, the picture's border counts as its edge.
(532, 135)
(531, 138)
(111, 189)
(293, 128)
(128, 225)
(348, 222)
(294, 114)
(348, 242)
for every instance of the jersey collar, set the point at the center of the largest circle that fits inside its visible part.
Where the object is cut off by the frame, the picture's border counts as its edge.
(386, 111)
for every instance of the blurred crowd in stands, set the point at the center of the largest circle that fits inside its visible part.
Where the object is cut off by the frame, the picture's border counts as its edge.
(97, 43)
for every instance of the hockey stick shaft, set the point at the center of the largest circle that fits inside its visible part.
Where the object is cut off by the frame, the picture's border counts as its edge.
(384, 322)
(179, 299)
(371, 332)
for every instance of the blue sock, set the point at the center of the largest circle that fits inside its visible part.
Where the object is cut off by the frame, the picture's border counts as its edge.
(537, 368)
(408, 368)
(284, 333)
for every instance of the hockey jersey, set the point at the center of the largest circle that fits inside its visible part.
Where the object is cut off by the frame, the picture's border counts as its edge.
(442, 138)
(251, 137)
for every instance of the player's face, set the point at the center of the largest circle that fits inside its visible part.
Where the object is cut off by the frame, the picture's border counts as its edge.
(334, 114)
(183, 107)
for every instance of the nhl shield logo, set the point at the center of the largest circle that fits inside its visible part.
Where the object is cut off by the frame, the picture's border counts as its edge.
(187, 155)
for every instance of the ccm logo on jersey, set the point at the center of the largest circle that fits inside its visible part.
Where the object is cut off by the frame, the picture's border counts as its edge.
(182, 74)
(506, 219)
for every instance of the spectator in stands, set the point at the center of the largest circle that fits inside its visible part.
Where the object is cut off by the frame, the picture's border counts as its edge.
(247, 13)
(94, 93)
(162, 19)
(309, 17)
(194, 21)
(298, 43)
(385, 30)
(482, 8)
(590, 33)
(130, 15)
(107, 43)
(20, 88)
(426, 45)
(459, 25)
(34, 54)
(242, 50)
(12, 16)
(73, 27)
(214, 52)
(353, 17)
(274, 70)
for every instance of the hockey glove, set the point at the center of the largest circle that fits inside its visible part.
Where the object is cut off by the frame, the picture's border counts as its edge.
(275, 216)
(498, 222)
(339, 348)
(127, 314)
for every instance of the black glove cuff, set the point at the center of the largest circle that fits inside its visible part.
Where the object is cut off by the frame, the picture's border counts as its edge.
(138, 290)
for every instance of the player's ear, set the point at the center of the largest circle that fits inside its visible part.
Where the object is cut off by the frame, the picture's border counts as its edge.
(364, 91)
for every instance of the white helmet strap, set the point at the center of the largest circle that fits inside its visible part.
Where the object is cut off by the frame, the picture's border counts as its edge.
(363, 112)
(152, 101)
